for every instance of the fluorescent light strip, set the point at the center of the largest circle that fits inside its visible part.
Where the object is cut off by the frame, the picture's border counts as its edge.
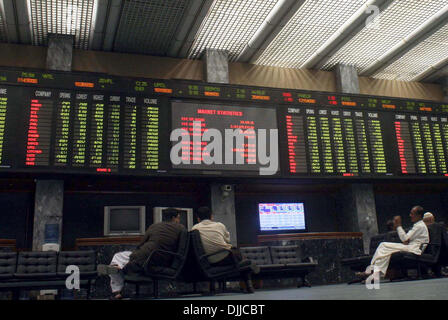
(420, 58)
(229, 25)
(397, 21)
(313, 24)
(3, 33)
(67, 17)
(149, 26)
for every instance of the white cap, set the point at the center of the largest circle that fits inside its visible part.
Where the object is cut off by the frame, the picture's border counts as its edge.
(428, 215)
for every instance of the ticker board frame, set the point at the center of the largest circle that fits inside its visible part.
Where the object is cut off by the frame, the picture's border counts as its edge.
(174, 90)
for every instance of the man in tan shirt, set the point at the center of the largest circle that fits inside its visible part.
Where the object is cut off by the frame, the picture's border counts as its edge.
(214, 236)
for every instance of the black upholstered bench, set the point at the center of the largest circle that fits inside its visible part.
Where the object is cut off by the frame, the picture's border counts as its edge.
(44, 270)
(279, 262)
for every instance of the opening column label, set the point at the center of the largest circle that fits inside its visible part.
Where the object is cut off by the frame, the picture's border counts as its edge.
(313, 142)
(62, 136)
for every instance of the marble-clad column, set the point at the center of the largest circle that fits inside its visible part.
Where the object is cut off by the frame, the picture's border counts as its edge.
(60, 52)
(49, 195)
(48, 204)
(360, 211)
(223, 208)
(222, 200)
(216, 66)
(347, 79)
(364, 204)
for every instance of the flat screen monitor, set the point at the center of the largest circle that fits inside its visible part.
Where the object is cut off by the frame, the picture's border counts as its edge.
(281, 216)
(124, 220)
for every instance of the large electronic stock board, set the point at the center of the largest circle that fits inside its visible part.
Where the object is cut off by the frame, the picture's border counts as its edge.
(98, 124)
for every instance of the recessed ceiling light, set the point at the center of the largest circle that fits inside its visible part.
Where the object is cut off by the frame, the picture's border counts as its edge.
(420, 58)
(229, 25)
(396, 22)
(68, 17)
(313, 24)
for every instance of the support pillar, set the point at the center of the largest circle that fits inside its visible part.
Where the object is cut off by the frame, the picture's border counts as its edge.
(49, 195)
(60, 52)
(216, 66)
(347, 79)
(47, 226)
(223, 208)
(360, 211)
(222, 199)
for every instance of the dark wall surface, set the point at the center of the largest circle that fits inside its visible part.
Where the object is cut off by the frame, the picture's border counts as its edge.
(84, 213)
(16, 214)
(321, 211)
(390, 205)
(324, 204)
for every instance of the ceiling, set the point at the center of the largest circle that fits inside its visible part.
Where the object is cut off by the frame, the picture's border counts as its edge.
(386, 39)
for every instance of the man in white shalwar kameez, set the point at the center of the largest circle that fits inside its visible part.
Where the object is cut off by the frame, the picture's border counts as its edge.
(411, 242)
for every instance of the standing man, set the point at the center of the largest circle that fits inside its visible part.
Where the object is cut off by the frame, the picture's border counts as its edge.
(411, 242)
(162, 235)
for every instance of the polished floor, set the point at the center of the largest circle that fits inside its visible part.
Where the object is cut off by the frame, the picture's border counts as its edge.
(433, 289)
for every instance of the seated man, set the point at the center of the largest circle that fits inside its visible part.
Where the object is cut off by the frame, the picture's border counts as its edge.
(215, 237)
(411, 242)
(428, 218)
(162, 235)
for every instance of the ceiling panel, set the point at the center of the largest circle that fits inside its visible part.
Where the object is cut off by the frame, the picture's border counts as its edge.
(148, 27)
(396, 22)
(420, 58)
(229, 25)
(68, 17)
(313, 24)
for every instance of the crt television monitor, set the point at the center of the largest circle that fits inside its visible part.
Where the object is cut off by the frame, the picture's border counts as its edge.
(282, 216)
(124, 220)
(186, 216)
